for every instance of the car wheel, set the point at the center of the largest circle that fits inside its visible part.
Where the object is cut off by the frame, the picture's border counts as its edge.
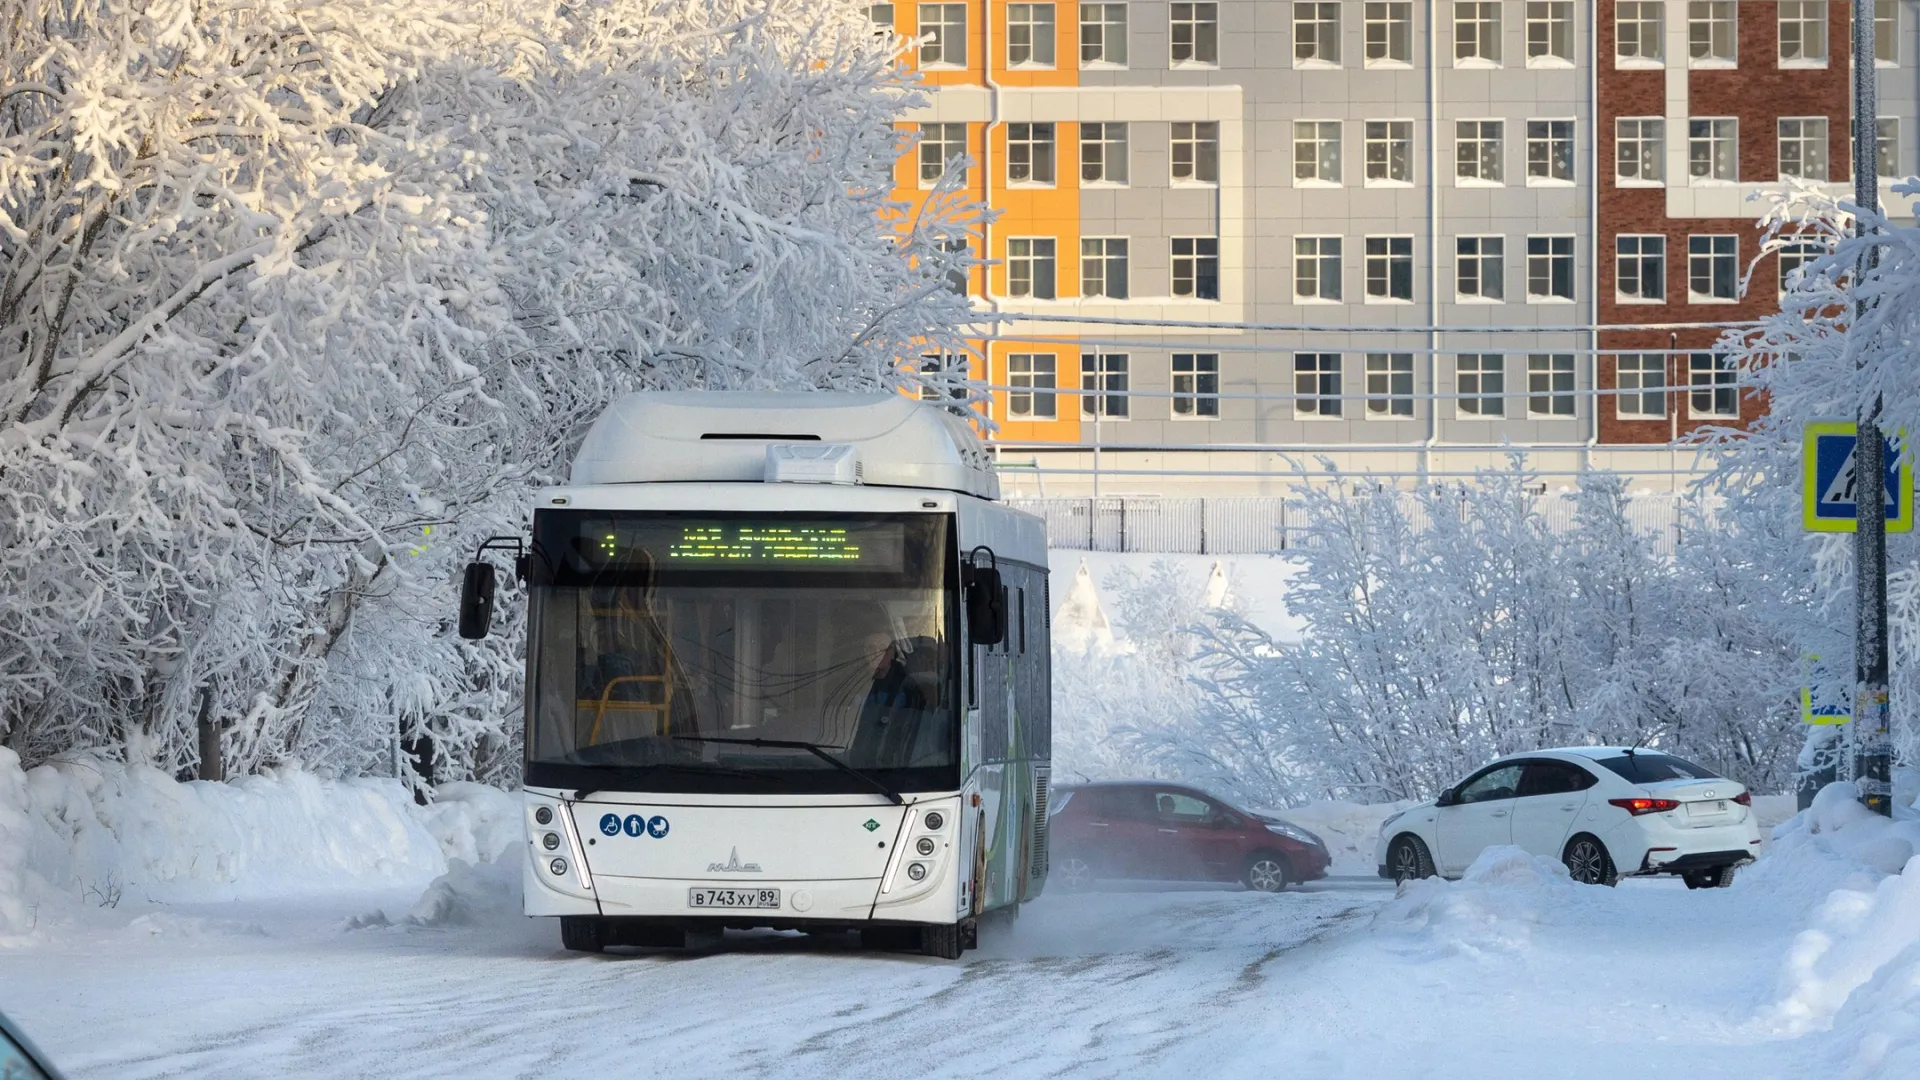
(1588, 862)
(583, 933)
(1267, 873)
(1717, 878)
(1073, 873)
(1408, 859)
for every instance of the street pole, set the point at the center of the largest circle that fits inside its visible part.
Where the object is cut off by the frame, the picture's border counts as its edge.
(1871, 744)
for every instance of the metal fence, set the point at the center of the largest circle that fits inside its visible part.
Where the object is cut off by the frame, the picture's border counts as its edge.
(1258, 525)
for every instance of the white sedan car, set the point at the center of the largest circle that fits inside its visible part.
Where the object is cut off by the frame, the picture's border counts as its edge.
(1605, 811)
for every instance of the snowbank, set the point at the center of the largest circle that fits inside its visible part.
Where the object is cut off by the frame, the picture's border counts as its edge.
(91, 833)
(1856, 969)
(1494, 907)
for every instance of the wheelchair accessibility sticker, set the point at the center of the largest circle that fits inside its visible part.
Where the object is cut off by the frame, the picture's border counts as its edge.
(635, 825)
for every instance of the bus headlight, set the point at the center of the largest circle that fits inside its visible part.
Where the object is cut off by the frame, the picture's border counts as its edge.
(550, 841)
(544, 815)
(916, 871)
(558, 866)
(925, 846)
(935, 819)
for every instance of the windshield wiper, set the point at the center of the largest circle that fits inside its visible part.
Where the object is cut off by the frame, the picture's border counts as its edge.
(819, 752)
(697, 770)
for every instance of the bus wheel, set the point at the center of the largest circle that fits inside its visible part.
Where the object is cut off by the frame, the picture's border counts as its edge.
(941, 941)
(583, 933)
(1073, 873)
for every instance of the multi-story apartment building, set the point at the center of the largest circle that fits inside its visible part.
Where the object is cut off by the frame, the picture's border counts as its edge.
(1706, 108)
(1390, 232)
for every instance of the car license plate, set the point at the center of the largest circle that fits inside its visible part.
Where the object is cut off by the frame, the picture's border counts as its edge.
(733, 898)
(1709, 808)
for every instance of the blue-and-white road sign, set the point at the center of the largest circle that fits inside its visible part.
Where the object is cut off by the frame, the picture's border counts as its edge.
(1827, 502)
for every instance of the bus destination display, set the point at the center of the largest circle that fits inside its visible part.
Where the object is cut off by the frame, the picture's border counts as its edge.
(768, 543)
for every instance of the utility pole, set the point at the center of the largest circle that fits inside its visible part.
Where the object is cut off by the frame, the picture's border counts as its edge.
(1871, 744)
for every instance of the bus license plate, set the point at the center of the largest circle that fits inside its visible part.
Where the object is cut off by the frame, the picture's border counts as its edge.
(733, 898)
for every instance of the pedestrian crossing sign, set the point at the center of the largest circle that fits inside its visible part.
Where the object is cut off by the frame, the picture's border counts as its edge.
(1827, 502)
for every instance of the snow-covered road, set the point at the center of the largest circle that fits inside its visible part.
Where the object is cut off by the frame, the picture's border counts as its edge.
(1331, 982)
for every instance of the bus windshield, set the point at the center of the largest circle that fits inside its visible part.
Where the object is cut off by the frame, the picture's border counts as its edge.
(664, 643)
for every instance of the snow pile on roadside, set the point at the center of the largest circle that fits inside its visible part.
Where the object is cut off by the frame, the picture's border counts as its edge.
(1856, 969)
(1493, 908)
(469, 894)
(90, 833)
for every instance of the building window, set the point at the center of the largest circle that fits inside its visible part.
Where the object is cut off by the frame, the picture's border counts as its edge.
(1477, 151)
(1712, 38)
(945, 28)
(1389, 268)
(1389, 147)
(943, 376)
(1549, 268)
(1480, 268)
(1103, 382)
(1794, 258)
(1482, 384)
(942, 146)
(1196, 267)
(1549, 33)
(1194, 30)
(1103, 267)
(1030, 266)
(1316, 268)
(1803, 32)
(1803, 147)
(1642, 382)
(1316, 384)
(1886, 146)
(1640, 31)
(1640, 150)
(1103, 153)
(881, 16)
(1031, 375)
(1886, 33)
(1316, 151)
(1389, 384)
(1713, 269)
(1640, 269)
(1389, 33)
(1550, 384)
(1316, 34)
(1030, 35)
(1713, 386)
(1713, 150)
(960, 270)
(1476, 33)
(1196, 384)
(1030, 154)
(1549, 152)
(1103, 34)
(1196, 152)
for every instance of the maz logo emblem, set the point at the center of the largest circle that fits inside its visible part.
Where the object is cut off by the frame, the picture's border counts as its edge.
(733, 865)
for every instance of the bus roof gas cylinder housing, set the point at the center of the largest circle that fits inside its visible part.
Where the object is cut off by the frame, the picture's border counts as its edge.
(878, 439)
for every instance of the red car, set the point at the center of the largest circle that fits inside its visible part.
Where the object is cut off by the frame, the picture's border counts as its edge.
(1137, 829)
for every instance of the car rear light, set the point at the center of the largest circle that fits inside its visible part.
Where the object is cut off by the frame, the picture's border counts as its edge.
(1745, 798)
(1636, 807)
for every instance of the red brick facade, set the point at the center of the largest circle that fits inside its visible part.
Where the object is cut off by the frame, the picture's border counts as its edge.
(1758, 92)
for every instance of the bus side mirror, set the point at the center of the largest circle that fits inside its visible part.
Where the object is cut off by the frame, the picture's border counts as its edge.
(476, 600)
(986, 607)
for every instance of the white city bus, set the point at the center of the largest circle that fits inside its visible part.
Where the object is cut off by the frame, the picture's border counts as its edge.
(787, 667)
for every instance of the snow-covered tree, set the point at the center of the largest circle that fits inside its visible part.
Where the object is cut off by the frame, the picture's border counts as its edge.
(1451, 624)
(301, 298)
